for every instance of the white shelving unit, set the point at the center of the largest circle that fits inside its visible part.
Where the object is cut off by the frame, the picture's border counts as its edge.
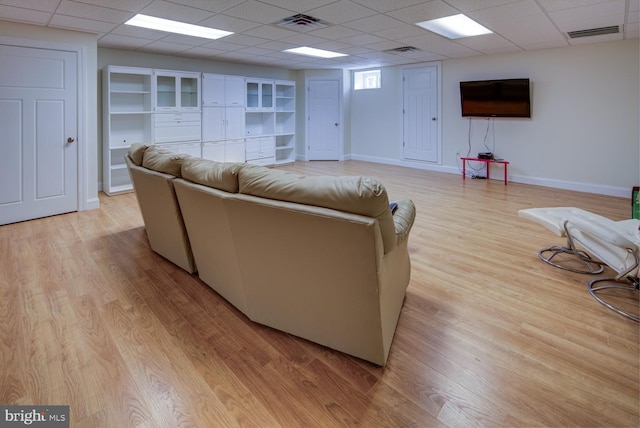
(285, 121)
(127, 117)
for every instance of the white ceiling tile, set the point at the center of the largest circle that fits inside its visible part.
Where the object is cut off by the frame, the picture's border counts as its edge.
(424, 11)
(496, 15)
(356, 50)
(333, 46)
(124, 42)
(228, 23)
(383, 46)
(208, 5)
(165, 47)
(169, 10)
(253, 50)
(24, 15)
(300, 6)
(270, 32)
(362, 39)
(374, 23)
(222, 45)
(407, 30)
(304, 40)
(96, 13)
(341, 11)
(126, 5)
(81, 24)
(471, 5)
(277, 46)
(487, 42)
(388, 5)
(594, 16)
(242, 39)
(534, 29)
(335, 32)
(259, 12)
(203, 52)
(42, 5)
(185, 40)
(553, 5)
(139, 32)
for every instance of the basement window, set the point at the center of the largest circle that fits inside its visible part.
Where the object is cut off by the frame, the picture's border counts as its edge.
(366, 80)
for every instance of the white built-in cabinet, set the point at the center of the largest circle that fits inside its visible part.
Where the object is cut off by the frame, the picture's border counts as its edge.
(223, 115)
(217, 117)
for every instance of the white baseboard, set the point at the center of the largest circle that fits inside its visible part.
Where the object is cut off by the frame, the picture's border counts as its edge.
(545, 182)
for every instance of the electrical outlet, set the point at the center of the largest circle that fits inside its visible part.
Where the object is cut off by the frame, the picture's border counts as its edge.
(458, 152)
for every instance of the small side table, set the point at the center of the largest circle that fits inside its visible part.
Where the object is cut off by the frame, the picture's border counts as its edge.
(488, 162)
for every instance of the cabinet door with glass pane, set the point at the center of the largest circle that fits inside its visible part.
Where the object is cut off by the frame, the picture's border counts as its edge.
(260, 95)
(176, 90)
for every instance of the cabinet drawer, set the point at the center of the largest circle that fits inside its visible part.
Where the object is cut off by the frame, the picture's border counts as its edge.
(182, 132)
(160, 118)
(261, 154)
(262, 161)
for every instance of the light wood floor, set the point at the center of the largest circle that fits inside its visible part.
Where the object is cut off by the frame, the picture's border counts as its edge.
(489, 335)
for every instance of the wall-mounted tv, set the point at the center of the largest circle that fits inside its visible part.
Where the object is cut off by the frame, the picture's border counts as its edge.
(495, 98)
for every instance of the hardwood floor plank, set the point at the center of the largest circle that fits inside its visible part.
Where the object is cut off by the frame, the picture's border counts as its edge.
(489, 335)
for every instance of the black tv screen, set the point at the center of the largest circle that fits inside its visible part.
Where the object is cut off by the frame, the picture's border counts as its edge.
(495, 98)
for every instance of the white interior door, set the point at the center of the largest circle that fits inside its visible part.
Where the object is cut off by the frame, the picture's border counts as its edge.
(420, 93)
(38, 119)
(324, 126)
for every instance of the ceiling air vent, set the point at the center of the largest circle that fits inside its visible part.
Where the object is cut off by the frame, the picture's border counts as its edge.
(301, 22)
(403, 49)
(594, 32)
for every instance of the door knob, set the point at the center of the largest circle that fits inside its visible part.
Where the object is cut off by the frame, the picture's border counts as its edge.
(70, 140)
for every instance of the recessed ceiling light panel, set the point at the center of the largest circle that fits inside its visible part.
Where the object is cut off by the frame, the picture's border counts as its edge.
(320, 53)
(455, 27)
(153, 23)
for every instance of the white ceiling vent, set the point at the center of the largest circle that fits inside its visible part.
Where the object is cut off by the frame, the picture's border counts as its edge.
(301, 22)
(403, 49)
(594, 32)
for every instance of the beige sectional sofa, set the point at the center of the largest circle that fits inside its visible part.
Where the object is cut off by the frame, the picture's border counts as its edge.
(322, 258)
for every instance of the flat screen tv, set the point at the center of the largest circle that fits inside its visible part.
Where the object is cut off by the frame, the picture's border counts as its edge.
(495, 98)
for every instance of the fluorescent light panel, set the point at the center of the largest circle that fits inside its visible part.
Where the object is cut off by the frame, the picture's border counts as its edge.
(455, 27)
(304, 50)
(170, 26)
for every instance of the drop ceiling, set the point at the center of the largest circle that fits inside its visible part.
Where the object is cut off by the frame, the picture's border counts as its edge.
(368, 31)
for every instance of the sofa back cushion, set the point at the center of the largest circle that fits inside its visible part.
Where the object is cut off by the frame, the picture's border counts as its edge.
(219, 175)
(358, 195)
(162, 160)
(136, 153)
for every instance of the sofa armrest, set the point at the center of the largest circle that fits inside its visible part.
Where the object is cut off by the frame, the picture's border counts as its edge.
(403, 219)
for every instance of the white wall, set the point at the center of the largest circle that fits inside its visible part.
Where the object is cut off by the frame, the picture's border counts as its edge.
(87, 42)
(583, 133)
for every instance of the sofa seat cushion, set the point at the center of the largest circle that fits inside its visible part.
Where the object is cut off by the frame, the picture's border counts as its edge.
(358, 195)
(219, 175)
(162, 160)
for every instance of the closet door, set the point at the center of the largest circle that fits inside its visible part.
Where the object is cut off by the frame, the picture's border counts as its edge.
(38, 118)
(421, 114)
